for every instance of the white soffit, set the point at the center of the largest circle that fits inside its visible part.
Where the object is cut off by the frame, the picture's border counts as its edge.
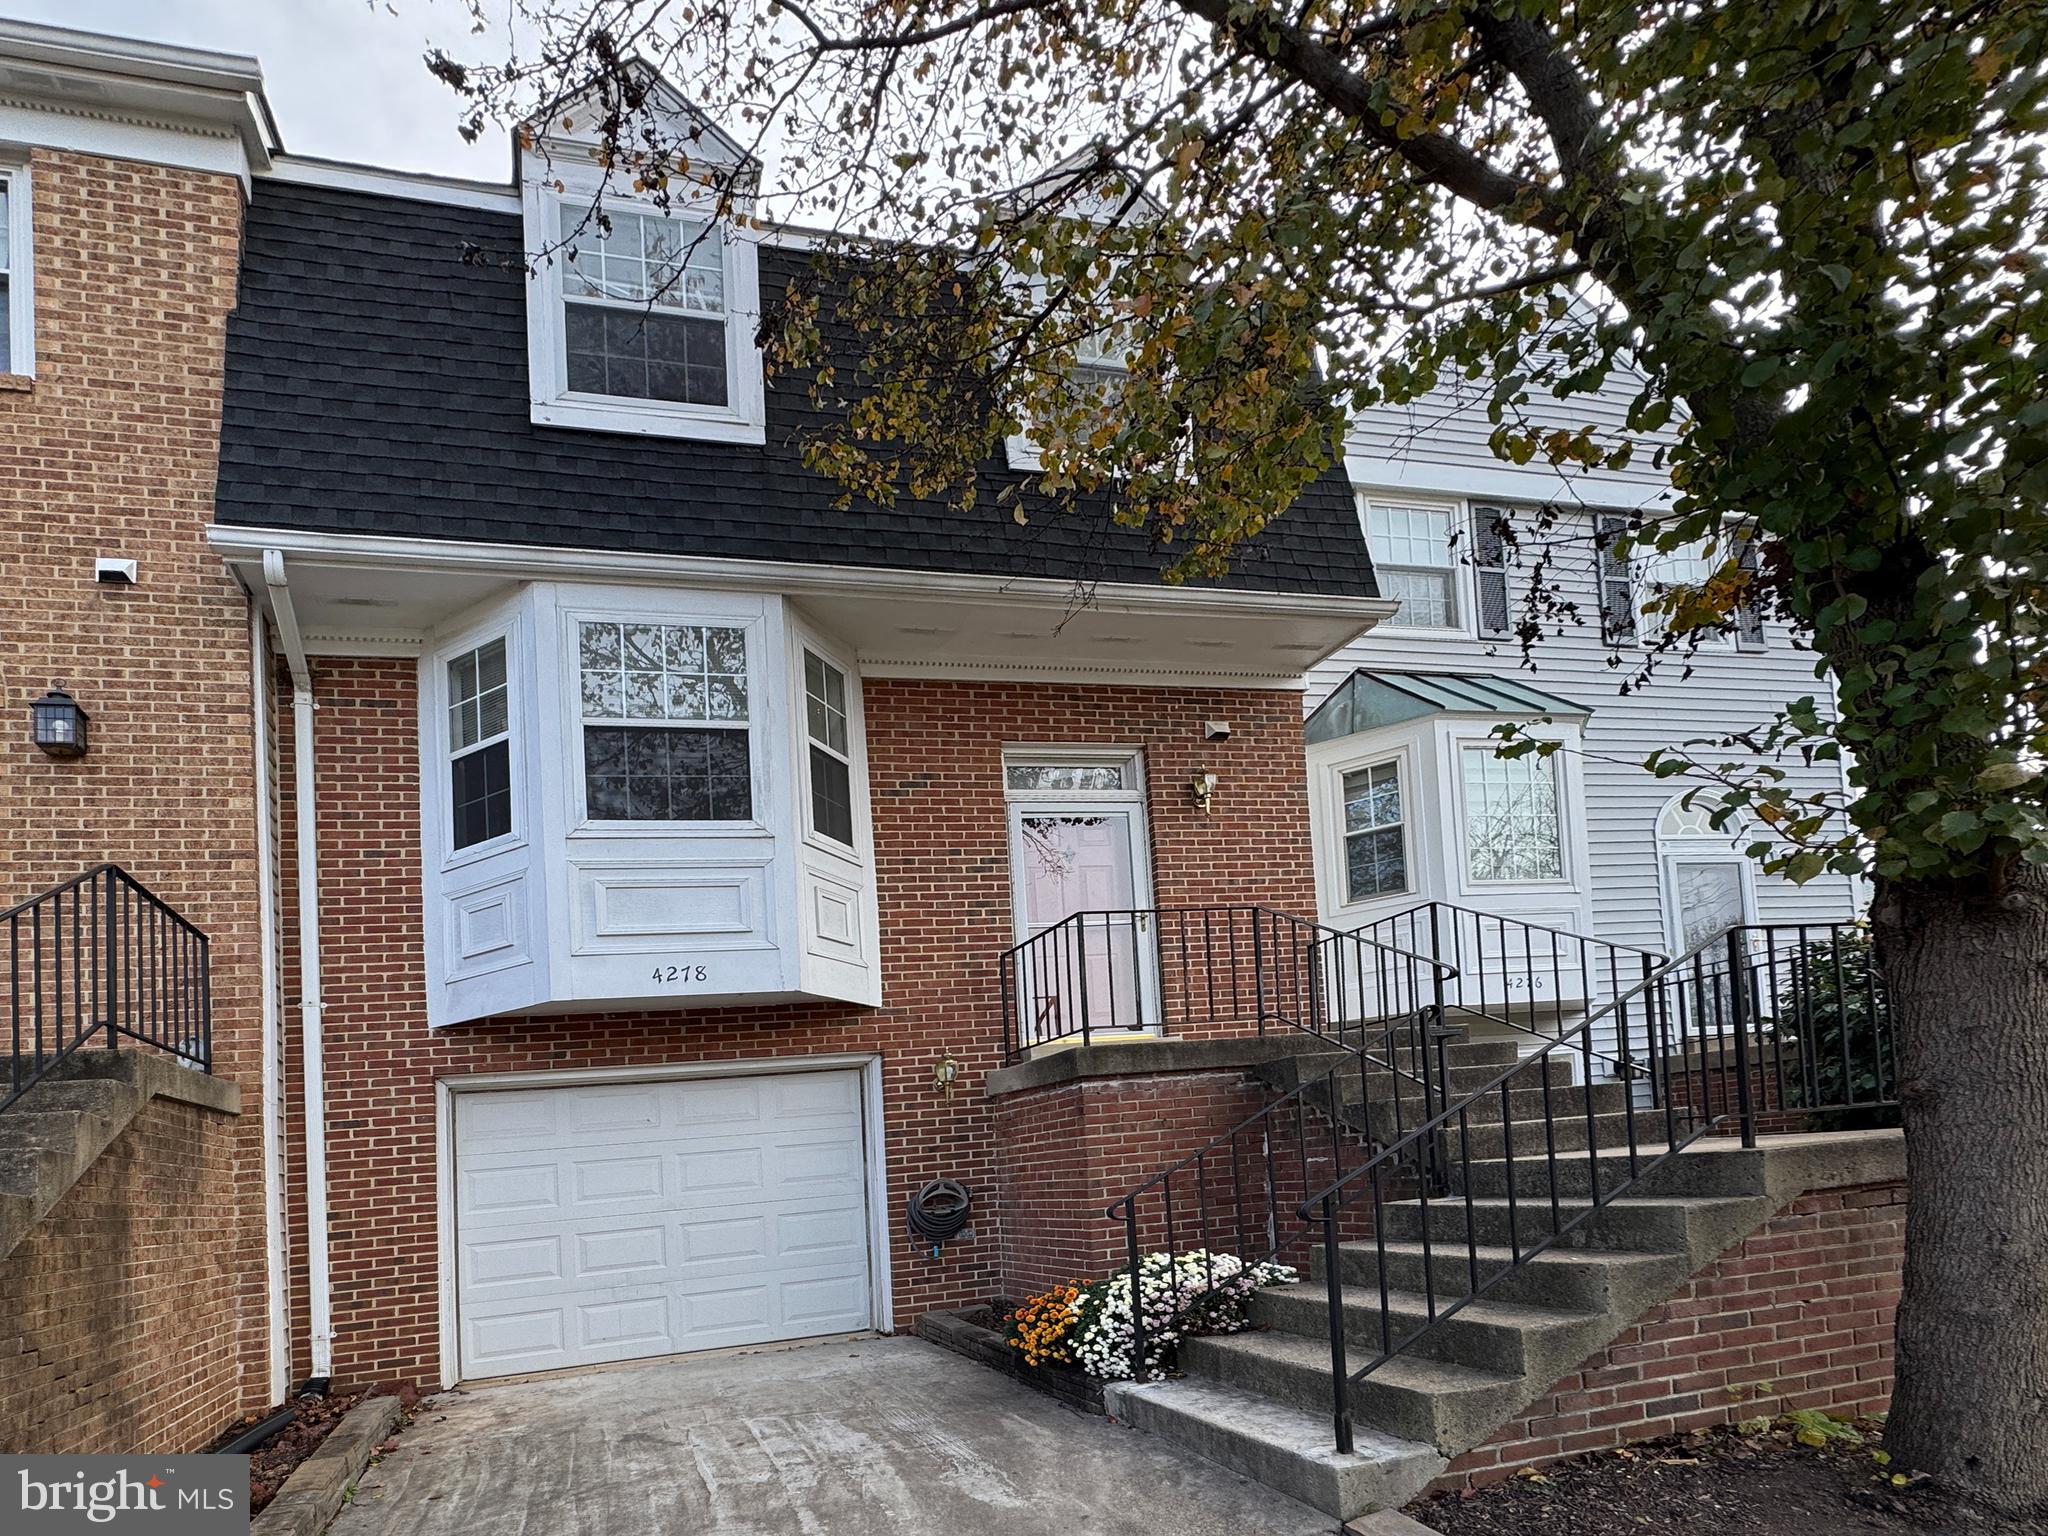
(381, 596)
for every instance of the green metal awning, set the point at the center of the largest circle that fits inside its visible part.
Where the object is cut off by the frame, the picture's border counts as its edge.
(1366, 700)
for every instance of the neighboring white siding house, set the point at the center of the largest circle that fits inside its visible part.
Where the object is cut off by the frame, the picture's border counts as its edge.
(1630, 866)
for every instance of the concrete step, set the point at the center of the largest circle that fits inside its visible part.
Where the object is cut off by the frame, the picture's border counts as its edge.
(1488, 1139)
(1696, 1227)
(1693, 1171)
(1473, 1063)
(1431, 1401)
(1524, 1104)
(1576, 1279)
(1509, 1337)
(1289, 1449)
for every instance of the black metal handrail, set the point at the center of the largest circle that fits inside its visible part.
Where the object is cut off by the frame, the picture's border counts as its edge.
(1714, 1015)
(1130, 970)
(1521, 975)
(1285, 1145)
(101, 958)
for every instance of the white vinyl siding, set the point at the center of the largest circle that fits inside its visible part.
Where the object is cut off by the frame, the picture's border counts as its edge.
(1729, 690)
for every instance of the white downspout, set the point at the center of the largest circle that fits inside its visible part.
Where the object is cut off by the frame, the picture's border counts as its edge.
(277, 1266)
(319, 1291)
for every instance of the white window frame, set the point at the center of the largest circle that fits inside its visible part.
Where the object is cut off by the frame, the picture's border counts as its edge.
(21, 273)
(742, 419)
(1567, 875)
(1398, 760)
(807, 652)
(1456, 516)
(441, 789)
(451, 754)
(1421, 809)
(759, 723)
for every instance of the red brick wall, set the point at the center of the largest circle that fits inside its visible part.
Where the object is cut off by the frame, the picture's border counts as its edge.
(941, 844)
(110, 450)
(1798, 1315)
(119, 1329)
(1068, 1152)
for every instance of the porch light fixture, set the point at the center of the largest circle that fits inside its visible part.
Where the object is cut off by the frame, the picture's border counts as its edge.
(1203, 790)
(59, 725)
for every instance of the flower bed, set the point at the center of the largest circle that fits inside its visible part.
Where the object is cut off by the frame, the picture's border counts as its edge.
(1182, 1294)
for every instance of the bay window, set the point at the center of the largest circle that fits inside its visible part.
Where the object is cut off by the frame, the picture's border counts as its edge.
(1375, 832)
(479, 746)
(831, 765)
(1513, 829)
(664, 714)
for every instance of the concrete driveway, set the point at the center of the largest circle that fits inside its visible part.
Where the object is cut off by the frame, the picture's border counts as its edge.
(881, 1437)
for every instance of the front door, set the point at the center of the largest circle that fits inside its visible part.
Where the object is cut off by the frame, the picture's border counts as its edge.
(1081, 894)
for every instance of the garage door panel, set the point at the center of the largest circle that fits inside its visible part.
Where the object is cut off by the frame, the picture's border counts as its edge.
(531, 1262)
(597, 1224)
(522, 1188)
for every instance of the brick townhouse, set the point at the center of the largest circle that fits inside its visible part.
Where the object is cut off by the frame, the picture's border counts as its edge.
(622, 878)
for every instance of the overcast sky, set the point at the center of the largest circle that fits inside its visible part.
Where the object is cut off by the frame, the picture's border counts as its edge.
(344, 77)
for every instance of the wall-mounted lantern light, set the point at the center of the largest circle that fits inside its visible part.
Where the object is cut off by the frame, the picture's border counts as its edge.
(1203, 790)
(59, 724)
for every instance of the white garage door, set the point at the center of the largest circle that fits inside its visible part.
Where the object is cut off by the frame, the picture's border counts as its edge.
(606, 1223)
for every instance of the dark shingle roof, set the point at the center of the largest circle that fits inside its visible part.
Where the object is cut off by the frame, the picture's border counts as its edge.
(376, 384)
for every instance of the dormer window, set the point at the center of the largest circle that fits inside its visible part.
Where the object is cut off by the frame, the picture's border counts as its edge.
(641, 310)
(644, 315)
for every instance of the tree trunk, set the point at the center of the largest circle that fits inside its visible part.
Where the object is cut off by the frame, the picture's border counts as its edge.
(1967, 969)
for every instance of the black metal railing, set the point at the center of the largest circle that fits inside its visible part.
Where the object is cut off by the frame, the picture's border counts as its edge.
(100, 960)
(1242, 1193)
(1529, 977)
(1136, 970)
(1763, 1021)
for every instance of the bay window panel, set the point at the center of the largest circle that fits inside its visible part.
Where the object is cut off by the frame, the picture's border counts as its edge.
(479, 748)
(664, 722)
(1513, 828)
(1375, 832)
(830, 764)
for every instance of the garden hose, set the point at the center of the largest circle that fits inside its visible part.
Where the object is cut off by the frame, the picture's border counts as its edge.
(939, 1211)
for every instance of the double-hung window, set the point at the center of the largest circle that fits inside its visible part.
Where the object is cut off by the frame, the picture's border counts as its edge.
(1513, 827)
(1375, 832)
(644, 313)
(1617, 583)
(665, 733)
(1411, 556)
(479, 746)
(831, 759)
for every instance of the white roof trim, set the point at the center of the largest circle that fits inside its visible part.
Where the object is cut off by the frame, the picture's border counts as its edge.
(797, 578)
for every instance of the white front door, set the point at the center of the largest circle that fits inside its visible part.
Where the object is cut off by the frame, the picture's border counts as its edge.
(608, 1222)
(1084, 862)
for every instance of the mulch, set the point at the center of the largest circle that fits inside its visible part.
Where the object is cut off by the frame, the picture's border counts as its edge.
(1718, 1482)
(278, 1457)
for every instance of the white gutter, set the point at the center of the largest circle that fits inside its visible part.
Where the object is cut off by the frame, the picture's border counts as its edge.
(319, 1286)
(522, 562)
(278, 1271)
